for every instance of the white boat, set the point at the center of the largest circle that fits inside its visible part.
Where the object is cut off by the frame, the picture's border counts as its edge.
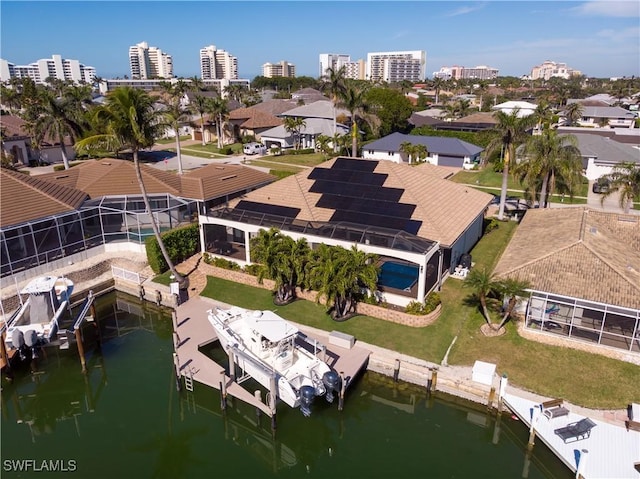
(36, 323)
(266, 346)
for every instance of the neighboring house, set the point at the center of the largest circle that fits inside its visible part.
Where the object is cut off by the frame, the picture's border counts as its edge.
(195, 128)
(17, 142)
(52, 216)
(412, 217)
(524, 108)
(600, 154)
(442, 151)
(475, 122)
(256, 119)
(308, 95)
(628, 136)
(430, 117)
(319, 120)
(611, 116)
(585, 276)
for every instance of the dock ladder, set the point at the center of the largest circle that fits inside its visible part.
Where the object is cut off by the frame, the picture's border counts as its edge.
(188, 380)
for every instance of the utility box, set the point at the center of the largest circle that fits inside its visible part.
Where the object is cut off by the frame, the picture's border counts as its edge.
(341, 339)
(483, 373)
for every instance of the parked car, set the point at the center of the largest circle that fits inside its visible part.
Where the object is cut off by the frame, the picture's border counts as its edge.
(601, 185)
(254, 148)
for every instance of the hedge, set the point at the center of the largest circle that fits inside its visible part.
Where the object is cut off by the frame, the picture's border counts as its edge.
(181, 243)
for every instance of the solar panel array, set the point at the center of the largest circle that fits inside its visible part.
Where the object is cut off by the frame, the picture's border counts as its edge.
(357, 194)
(268, 209)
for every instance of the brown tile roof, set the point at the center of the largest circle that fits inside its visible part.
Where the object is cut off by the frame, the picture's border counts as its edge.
(445, 208)
(577, 252)
(110, 176)
(25, 198)
(252, 118)
(478, 117)
(214, 181)
(13, 126)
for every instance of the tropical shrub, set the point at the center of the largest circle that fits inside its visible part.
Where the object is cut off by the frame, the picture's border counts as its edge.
(222, 263)
(181, 243)
(420, 309)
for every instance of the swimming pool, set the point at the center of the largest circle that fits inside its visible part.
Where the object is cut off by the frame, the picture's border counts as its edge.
(398, 275)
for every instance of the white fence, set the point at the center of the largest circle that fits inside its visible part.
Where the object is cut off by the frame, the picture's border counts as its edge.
(127, 275)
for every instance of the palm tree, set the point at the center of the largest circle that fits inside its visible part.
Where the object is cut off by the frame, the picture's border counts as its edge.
(510, 131)
(543, 115)
(132, 123)
(573, 112)
(219, 108)
(483, 284)
(196, 84)
(294, 126)
(200, 105)
(420, 152)
(625, 180)
(512, 289)
(338, 275)
(355, 102)
(57, 119)
(334, 84)
(550, 159)
(437, 85)
(408, 149)
(174, 113)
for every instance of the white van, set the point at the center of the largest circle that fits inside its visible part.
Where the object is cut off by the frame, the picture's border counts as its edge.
(254, 149)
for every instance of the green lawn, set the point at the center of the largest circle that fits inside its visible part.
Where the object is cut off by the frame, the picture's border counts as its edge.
(491, 179)
(172, 141)
(586, 379)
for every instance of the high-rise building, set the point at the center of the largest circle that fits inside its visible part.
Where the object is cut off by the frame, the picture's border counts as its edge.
(149, 62)
(355, 70)
(217, 64)
(456, 72)
(281, 69)
(54, 67)
(332, 60)
(396, 66)
(550, 69)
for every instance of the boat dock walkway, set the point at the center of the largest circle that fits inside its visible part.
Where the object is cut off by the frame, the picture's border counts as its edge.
(610, 451)
(193, 331)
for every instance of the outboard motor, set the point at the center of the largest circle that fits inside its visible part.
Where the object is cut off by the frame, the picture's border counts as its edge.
(17, 340)
(331, 380)
(31, 341)
(307, 394)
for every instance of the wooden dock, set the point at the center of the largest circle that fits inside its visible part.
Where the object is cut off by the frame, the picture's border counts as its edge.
(193, 331)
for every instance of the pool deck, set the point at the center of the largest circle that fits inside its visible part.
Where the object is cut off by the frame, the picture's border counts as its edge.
(612, 451)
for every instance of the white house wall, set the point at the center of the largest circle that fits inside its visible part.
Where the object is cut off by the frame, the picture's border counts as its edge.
(595, 170)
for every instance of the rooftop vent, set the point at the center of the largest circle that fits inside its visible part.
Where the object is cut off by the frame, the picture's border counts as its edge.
(228, 177)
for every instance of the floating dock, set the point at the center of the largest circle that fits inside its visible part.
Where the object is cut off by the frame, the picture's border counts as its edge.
(610, 452)
(192, 331)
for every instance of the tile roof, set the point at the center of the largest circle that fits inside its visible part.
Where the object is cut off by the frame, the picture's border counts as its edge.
(214, 181)
(606, 112)
(435, 144)
(13, 126)
(25, 198)
(313, 126)
(577, 252)
(111, 176)
(253, 118)
(317, 109)
(443, 208)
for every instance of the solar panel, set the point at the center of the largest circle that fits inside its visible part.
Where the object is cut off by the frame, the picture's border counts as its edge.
(356, 165)
(268, 209)
(356, 190)
(364, 205)
(348, 176)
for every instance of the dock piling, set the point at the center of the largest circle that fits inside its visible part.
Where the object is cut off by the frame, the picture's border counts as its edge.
(223, 391)
(258, 396)
(343, 386)
(492, 395)
(502, 391)
(396, 371)
(272, 401)
(176, 364)
(83, 361)
(532, 428)
(434, 378)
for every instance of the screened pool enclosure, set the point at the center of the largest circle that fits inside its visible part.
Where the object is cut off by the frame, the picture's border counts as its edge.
(586, 321)
(97, 222)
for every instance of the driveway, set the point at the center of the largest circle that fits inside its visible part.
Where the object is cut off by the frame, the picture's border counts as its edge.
(611, 204)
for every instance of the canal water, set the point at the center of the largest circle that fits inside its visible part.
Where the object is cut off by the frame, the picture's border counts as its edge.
(125, 419)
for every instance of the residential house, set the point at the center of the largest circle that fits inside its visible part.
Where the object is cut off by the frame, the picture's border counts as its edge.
(601, 154)
(411, 217)
(55, 217)
(320, 119)
(524, 108)
(607, 116)
(478, 121)
(585, 277)
(19, 143)
(442, 151)
(256, 119)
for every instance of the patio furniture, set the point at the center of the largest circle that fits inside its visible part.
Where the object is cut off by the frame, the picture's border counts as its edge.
(576, 431)
(554, 408)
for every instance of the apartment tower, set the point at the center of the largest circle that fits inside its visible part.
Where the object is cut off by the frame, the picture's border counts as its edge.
(149, 62)
(394, 67)
(332, 60)
(281, 69)
(54, 67)
(217, 64)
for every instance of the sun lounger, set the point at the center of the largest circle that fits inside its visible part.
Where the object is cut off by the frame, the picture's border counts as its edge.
(576, 431)
(554, 408)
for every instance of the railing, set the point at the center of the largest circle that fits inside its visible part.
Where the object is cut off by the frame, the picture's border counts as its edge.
(127, 275)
